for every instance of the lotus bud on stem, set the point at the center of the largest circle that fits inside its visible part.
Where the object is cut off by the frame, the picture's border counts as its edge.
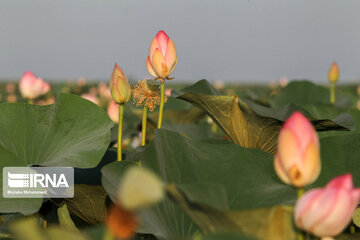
(161, 63)
(121, 93)
(333, 78)
(297, 161)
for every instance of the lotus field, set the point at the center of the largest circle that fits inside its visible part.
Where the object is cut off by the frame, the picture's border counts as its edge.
(160, 159)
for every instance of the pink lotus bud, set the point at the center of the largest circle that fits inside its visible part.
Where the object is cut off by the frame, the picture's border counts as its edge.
(119, 86)
(162, 58)
(113, 111)
(32, 87)
(325, 212)
(334, 72)
(297, 160)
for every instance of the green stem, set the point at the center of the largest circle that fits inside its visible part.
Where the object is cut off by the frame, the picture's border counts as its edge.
(143, 127)
(108, 235)
(300, 236)
(30, 101)
(121, 117)
(162, 96)
(332, 93)
(300, 193)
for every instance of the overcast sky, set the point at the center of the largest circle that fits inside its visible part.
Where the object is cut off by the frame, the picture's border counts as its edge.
(256, 40)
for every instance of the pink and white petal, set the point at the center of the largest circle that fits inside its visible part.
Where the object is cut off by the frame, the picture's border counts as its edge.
(162, 39)
(149, 67)
(302, 128)
(154, 45)
(341, 182)
(319, 209)
(157, 62)
(311, 163)
(288, 148)
(170, 56)
(280, 171)
(304, 205)
(338, 216)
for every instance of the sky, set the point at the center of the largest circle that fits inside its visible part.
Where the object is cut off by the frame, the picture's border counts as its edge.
(245, 41)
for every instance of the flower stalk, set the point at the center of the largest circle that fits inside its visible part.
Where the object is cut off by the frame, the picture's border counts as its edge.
(333, 78)
(143, 127)
(121, 92)
(162, 96)
(300, 193)
(108, 235)
(121, 118)
(332, 93)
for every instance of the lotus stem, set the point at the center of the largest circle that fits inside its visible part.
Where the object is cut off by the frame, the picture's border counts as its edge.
(108, 235)
(121, 117)
(300, 236)
(332, 93)
(162, 96)
(300, 193)
(143, 127)
(30, 101)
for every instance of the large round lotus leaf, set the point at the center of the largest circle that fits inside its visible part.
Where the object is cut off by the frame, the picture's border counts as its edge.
(72, 132)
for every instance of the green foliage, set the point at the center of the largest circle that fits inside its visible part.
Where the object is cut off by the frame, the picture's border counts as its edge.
(253, 126)
(72, 132)
(216, 189)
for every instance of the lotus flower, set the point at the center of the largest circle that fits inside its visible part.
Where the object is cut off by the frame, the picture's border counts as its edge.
(297, 160)
(32, 87)
(325, 212)
(334, 73)
(119, 86)
(162, 58)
